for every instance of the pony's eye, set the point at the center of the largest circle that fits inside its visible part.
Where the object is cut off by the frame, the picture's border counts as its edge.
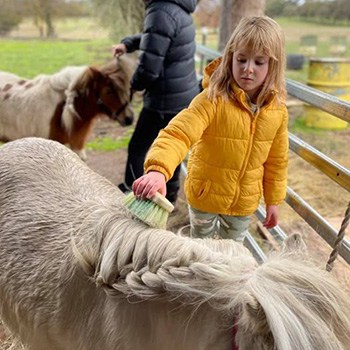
(110, 91)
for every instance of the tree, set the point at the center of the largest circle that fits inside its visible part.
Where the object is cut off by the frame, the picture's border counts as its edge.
(231, 13)
(120, 16)
(275, 7)
(43, 12)
(9, 16)
(207, 13)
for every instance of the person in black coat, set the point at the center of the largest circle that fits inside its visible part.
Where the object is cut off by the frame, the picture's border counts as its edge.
(166, 73)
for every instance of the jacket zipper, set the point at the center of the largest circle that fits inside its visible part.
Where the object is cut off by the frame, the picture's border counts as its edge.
(253, 118)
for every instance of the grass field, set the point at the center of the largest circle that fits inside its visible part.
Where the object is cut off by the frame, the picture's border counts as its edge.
(83, 41)
(28, 58)
(79, 42)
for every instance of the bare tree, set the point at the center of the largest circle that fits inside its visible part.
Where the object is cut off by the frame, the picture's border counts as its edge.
(10, 17)
(120, 16)
(208, 13)
(231, 13)
(43, 12)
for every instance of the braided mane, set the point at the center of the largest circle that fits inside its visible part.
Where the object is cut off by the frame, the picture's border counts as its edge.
(156, 264)
(153, 264)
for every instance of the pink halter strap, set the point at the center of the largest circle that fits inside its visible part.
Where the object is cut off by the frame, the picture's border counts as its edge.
(234, 346)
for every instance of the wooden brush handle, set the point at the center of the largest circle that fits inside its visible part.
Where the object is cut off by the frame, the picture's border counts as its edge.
(162, 202)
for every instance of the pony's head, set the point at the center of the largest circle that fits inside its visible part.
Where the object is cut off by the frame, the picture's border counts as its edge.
(104, 90)
(120, 71)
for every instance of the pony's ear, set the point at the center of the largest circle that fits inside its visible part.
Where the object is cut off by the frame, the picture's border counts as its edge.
(253, 307)
(83, 84)
(253, 315)
(295, 243)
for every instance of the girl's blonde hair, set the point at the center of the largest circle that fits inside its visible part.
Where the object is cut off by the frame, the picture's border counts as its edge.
(261, 35)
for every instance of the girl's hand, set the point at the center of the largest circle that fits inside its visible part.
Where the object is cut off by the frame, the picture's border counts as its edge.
(271, 216)
(118, 50)
(147, 185)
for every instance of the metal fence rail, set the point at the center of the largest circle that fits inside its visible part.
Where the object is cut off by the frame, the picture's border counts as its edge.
(328, 166)
(319, 99)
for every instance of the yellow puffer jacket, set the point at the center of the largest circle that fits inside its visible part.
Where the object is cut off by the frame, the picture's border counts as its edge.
(236, 157)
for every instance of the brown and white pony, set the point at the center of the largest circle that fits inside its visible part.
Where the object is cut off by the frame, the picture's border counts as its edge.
(64, 106)
(77, 272)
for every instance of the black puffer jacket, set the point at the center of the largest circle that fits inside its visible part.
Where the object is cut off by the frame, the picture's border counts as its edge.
(166, 70)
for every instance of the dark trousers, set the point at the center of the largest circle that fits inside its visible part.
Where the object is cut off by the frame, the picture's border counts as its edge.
(147, 128)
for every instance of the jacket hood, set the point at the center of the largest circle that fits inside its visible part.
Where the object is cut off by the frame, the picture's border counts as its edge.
(209, 70)
(187, 5)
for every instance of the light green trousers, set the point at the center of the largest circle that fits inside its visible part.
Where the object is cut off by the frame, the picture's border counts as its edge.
(225, 226)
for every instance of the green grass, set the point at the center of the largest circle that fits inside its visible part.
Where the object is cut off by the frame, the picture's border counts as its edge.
(299, 126)
(108, 143)
(28, 58)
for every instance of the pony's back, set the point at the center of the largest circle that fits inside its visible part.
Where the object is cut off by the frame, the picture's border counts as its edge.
(43, 193)
(8, 78)
(66, 77)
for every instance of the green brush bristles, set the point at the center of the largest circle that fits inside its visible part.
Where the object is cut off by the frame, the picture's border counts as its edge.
(154, 212)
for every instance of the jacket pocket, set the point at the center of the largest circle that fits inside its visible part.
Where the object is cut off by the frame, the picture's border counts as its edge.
(200, 188)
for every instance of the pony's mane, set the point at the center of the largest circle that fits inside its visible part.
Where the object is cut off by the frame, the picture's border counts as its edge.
(65, 81)
(285, 296)
(295, 297)
(136, 260)
(120, 70)
(67, 77)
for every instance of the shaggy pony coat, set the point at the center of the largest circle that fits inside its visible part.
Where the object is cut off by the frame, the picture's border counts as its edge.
(64, 106)
(77, 272)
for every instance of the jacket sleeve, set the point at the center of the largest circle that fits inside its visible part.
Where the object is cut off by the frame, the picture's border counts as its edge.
(276, 166)
(159, 31)
(173, 143)
(132, 42)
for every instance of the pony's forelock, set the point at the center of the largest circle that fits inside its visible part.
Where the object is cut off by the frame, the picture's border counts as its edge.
(297, 300)
(120, 71)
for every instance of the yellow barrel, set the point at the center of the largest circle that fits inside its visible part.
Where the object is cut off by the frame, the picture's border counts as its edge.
(330, 75)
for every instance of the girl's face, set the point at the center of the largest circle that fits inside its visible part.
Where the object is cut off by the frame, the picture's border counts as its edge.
(249, 71)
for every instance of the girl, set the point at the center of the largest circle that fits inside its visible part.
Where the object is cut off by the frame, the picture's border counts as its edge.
(237, 130)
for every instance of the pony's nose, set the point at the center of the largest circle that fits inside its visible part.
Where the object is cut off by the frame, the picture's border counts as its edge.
(128, 120)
